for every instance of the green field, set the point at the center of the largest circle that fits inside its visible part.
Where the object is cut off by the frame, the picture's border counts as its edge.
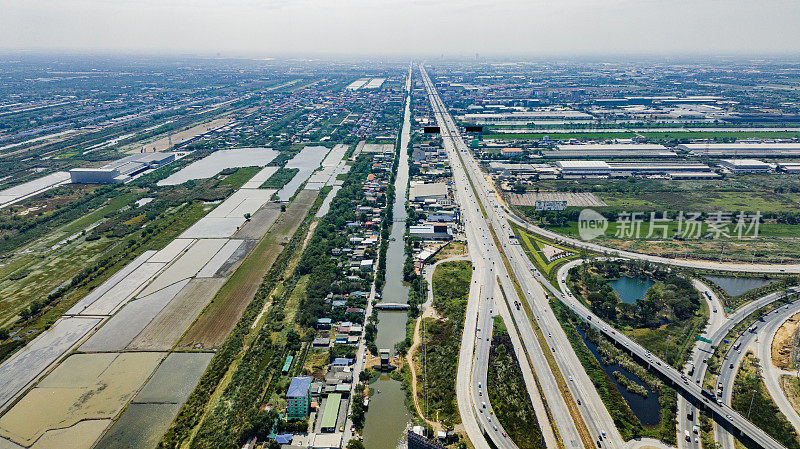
(533, 248)
(651, 136)
(764, 230)
(280, 178)
(561, 136)
(442, 337)
(719, 135)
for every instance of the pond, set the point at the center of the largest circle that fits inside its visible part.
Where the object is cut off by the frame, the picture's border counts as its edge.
(631, 289)
(736, 286)
(306, 161)
(216, 162)
(647, 410)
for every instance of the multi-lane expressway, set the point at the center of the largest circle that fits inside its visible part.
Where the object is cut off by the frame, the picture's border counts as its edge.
(688, 263)
(766, 327)
(717, 328)
(594, 417)
(478, 208)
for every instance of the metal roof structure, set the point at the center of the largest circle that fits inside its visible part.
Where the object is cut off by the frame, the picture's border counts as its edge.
(299, 387)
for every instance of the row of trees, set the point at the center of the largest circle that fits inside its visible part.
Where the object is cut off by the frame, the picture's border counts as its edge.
(317, 262)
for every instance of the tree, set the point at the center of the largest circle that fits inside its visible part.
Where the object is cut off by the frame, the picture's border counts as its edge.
(355, 444)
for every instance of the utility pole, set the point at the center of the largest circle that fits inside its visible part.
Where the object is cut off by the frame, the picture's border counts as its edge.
(666, 351)
(751, 404)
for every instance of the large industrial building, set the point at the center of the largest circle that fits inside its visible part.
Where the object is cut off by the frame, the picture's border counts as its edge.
(422, 191)
(743, 149)
(538, 115)
(583, 168)
(122, 170)
(790, 167)
(745, 165)
(622, 150)
(673, 170)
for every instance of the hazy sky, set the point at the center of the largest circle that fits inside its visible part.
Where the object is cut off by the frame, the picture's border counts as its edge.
(275, 27)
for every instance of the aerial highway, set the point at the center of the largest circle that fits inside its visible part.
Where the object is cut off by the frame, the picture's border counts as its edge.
(578, 385)
(698, 264)
(482, 305)
(722, 412)
(762, 329)
(688, 421)
(770, 372)
(498, 216)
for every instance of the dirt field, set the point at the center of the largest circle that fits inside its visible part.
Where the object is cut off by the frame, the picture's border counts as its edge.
(219, 318)
(85, 386)
(167, 327)
(791, 388)
(79, 436)
(150, 413)
(123, 327)
(782, 344)
(579, 199)
(167, 142)
(186, 266)
(260, 222)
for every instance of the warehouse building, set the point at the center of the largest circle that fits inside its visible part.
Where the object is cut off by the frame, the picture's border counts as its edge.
(572, 169)
(509, 169)
(649, 168)
(331, 412)
(421, 191)
(614, 150)
(122, 170)
(431, 232)
(511, 152)
(790, 167)
(743, 149)
(95, 176)
(745, 165)
(673, 170)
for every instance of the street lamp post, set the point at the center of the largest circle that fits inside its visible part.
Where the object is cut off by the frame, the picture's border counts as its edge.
(751, 403)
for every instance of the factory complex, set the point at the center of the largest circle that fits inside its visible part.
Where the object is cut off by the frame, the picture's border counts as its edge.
(121, 170)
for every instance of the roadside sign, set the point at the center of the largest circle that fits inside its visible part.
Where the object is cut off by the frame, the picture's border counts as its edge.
(699, 338)
(550, 205)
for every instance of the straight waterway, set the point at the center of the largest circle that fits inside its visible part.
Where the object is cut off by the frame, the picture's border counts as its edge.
(387, 416)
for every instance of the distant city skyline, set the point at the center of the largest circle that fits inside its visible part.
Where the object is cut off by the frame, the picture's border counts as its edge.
(426, 27)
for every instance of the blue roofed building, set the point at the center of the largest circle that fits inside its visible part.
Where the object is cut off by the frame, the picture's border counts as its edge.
(284, 438)
(342, 361)
(298, 398)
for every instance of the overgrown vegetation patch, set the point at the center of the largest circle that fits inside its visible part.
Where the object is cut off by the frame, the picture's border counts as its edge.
(442, 340)
(507, 393)
(748, 387)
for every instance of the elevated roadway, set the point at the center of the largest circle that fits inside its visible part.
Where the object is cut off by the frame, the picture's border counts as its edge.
(498, 215)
